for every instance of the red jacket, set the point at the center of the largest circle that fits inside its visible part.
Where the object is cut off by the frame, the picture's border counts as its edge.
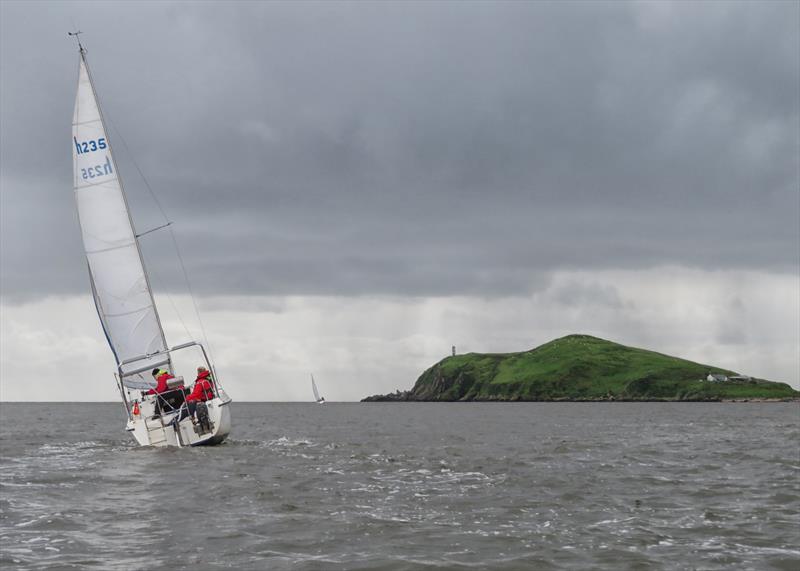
(203, 389)
(161, 386)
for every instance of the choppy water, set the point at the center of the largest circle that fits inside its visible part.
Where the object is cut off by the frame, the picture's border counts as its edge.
(408, 486)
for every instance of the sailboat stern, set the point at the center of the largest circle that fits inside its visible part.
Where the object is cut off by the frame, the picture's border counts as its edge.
(176, 427)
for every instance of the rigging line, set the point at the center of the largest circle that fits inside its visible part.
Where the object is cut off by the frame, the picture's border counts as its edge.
(191, 295)
(174, 241)
(174, 307)
(141, 174)
(153, 229)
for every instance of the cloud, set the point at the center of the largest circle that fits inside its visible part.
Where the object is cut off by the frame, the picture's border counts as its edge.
(576, 293)
(358, 346)
(357, 187)
(400, 149)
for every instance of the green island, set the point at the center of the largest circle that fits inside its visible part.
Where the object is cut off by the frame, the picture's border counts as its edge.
(583, 368)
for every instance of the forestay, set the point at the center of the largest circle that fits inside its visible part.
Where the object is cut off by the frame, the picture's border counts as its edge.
(119, 282)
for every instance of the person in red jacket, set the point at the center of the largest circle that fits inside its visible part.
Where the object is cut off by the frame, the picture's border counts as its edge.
(202, 391)
(203, 388)
(162, 376)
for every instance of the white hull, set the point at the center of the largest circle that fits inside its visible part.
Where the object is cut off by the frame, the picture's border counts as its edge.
(162, 431)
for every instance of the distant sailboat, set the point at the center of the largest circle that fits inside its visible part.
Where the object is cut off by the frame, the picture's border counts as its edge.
(319, 399)
(124, 300)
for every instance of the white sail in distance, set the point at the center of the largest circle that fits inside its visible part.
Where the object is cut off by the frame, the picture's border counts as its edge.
(314, 388)
(119, 282)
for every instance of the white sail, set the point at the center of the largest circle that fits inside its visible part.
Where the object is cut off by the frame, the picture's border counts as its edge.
(119, 282)
(314, 388)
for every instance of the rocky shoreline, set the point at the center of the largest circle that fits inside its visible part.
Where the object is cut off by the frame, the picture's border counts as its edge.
(409, 396)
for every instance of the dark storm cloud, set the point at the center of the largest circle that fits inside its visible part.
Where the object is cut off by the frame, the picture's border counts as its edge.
(420, 149)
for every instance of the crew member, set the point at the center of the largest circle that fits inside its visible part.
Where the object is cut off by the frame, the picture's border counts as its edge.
(202, 391)
(161, 376)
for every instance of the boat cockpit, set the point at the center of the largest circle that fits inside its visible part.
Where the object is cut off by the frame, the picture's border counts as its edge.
(169, 408)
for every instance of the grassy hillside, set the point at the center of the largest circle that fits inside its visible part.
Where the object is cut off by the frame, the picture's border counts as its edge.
(581, 367)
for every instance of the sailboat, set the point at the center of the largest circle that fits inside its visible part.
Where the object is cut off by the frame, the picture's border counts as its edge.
(319, 399)
(124, 299)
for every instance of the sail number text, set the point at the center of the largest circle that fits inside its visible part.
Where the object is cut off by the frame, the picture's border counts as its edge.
(98, 170)
(90, 145)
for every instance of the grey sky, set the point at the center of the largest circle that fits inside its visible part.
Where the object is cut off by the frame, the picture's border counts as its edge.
(425, 149)
(534, 157)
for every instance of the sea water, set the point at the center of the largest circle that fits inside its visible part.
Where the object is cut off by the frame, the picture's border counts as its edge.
(408, 486)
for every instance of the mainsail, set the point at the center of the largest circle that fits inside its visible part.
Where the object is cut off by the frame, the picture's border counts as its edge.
(314, 388)
(116, 270)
